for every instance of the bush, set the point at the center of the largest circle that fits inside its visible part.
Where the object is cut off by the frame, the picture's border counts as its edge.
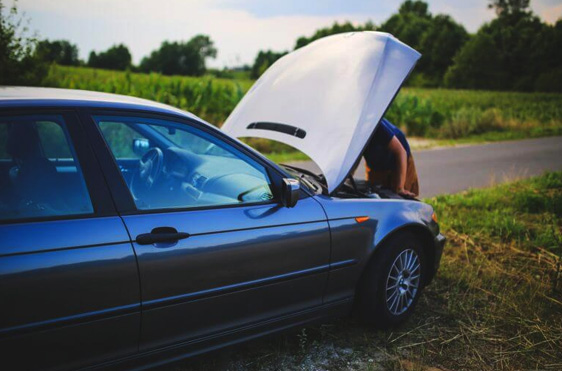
(489, 120)
(530, 202)
(18, 62)
(117, 57)
(461, 125)
(416, 115)
(550, 81)
(550, 181)
(469, 121)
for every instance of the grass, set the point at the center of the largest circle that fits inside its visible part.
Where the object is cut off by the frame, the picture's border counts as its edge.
(447, 117)
(443, 113)
(208, 97)
(496, 302)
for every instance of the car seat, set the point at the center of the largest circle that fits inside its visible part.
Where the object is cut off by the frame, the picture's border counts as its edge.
(33, 177)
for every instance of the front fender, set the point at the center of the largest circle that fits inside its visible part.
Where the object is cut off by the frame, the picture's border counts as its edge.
(357, 242)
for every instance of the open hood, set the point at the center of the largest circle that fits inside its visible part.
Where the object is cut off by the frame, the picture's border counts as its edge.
(326, 98)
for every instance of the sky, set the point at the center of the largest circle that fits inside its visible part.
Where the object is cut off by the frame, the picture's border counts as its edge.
(239, 28)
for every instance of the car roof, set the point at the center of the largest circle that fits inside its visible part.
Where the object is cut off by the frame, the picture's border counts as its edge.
(18, 96)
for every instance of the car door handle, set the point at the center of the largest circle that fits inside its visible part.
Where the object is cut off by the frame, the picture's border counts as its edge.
(161, 234)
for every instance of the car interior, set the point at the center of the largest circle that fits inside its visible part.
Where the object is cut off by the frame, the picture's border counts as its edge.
(34, 182)
(168, 167)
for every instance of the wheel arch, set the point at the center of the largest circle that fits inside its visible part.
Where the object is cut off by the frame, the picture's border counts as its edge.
(421, 232)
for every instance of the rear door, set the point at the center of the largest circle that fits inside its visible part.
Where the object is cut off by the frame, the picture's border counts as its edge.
(238, 257)
(69, 289)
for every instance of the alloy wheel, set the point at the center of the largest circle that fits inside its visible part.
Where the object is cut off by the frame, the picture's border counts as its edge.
(403, 282)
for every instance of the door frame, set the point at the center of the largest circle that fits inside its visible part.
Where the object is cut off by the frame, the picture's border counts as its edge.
(55, 329)
(98, 190)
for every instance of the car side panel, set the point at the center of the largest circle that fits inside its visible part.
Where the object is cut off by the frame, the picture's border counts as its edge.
(69, 292)
(357, 241)
(350, 242)
(240, 265)
(220, 314)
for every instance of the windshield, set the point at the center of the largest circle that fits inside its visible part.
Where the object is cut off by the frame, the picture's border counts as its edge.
(184, 139)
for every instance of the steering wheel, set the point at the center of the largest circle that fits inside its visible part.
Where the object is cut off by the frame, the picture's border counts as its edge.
(150, 169)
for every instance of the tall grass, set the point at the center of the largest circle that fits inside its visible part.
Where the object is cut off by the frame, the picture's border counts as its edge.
(210, 98)
(432, 113)
(442, 113)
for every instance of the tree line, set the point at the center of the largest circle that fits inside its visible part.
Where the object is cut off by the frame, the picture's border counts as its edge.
(24, 59)
(515, 51)
(171, 58)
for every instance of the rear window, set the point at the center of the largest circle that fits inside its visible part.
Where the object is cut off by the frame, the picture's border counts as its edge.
(39, 172)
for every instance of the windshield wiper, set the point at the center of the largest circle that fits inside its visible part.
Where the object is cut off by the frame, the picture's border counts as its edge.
(303, 173)
(306, 172)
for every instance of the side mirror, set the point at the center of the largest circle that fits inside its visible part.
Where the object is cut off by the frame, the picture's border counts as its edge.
(140, 146)
(291, 192)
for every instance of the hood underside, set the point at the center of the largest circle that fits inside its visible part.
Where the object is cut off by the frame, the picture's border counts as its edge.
(326, 98)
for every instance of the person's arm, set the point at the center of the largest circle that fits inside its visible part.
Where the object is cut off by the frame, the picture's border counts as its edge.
(401, 157)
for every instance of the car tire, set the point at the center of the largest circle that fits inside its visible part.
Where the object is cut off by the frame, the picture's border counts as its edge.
(392, 282)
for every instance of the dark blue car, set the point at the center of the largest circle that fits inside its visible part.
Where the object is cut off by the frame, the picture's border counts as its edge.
(133, 233)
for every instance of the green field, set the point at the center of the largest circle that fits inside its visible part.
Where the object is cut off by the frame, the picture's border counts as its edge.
(496, 303)
(209, 98)
(448, 116)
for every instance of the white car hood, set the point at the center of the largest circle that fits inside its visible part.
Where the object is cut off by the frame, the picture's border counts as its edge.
(326, 98)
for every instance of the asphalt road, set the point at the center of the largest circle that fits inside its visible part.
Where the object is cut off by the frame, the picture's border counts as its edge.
(451, 170)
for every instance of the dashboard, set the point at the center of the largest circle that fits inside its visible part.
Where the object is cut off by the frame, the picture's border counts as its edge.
(190, 179)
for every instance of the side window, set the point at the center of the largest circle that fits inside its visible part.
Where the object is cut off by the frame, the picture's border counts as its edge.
(183, 167)
(39, 173)
(53, 141)
(122, 139)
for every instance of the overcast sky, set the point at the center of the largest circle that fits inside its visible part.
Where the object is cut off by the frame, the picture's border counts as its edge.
(239, 28)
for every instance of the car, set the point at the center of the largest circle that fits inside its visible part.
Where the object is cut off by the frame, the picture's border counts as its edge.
(135, 234)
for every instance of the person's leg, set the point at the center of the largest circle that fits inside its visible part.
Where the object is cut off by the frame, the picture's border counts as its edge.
(412, 183)
(381, 178)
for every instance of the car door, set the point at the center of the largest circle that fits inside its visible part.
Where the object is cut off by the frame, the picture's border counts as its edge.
(216, 249)
(69, 289)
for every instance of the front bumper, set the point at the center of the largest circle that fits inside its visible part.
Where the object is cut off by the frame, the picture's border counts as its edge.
(438, 245)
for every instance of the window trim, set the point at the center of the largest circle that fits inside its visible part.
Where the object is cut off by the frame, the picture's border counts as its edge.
(96, 188)
(120, 191)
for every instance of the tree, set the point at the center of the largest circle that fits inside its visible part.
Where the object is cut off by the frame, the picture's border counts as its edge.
(264, 59)
(503, 7)
(437, 38)
(410, 23)
(516, 46)
(181, 58)
(526, 52)
(477, 66)
(59, 51)
(439, 44)
(336, 28)
(18, 64)
(416, 7)
(550, 77)
(117, 57)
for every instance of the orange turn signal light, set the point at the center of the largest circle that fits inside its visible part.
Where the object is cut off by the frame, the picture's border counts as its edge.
(361, 219)
(434, 217)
